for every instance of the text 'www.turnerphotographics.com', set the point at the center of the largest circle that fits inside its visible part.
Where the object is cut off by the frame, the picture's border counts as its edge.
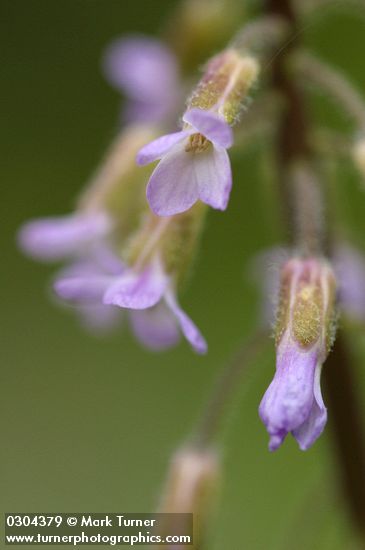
(109, 529)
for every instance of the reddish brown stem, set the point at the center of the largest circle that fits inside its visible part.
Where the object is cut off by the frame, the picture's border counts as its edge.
(347, 426)
(343, 398)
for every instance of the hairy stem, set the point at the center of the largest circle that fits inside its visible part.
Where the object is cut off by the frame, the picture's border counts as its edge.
(224, 388)
(342, 395)
(336, 85)
(292, 143)
(261, 35)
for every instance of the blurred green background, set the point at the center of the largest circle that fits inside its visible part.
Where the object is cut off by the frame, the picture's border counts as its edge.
(88, 424)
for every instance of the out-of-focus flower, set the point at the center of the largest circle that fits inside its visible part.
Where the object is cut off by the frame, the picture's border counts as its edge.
(89, 241)
(153, 288)
(155, 259)
(194, 162)
(146, 71)
(304, 333)
(349, 265)
(119, 255)
(84, 285)
(53, 239)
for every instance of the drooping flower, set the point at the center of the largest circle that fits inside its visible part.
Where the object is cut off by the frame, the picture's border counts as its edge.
(146, 71)
(194, 164)
(146, 284)
(304, 333)
(158, 258)
(152, 290)
(84, 284)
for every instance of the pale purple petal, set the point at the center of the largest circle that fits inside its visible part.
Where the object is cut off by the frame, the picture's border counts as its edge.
(137, 290)
(181, 178)
(157, 148)
(87, 290)
(214, 177)
(52, 239)
(288, 401)
(349, 265)
(210, 125)
(173, 187)
(85, 281)
(156, 327)
(142, 67)
(312, 428)
(188, 328)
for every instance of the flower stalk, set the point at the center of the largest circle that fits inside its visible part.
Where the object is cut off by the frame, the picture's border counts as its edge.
(226, 384)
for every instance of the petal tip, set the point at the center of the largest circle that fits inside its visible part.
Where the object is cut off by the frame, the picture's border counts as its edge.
(275, 442)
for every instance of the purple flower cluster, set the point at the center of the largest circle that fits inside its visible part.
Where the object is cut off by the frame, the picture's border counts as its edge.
(99, 283)
(138, 269)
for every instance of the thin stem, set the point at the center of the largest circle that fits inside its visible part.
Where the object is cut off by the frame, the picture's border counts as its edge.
(261, 35)
(348, 429)
(308, 210)
(333, 83)
(292, 143)
(225, 386)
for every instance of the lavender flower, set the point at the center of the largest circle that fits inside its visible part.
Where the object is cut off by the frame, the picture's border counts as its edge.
(146, 71)
(81, 283)
(304, 333)
(146, 290)
(152, 288)
(194, 164)
(52, 239)
(84, 285)
(109, 211)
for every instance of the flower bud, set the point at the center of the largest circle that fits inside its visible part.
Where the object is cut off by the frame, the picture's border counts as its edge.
(304, 334)
(192, 483)
(225, 84)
